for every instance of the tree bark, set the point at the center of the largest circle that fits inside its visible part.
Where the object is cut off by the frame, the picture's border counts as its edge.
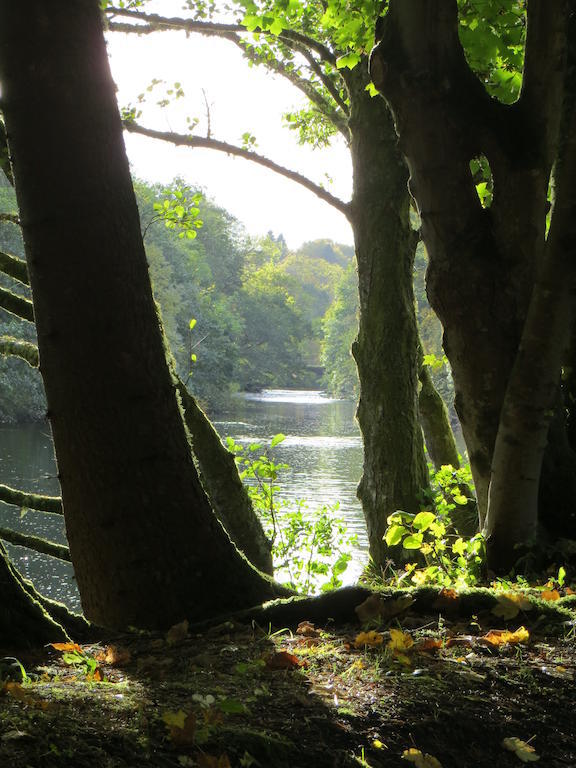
(438, 435)
(23, 620)
(146, 546)
(532, 394)
(226, 491)
(387, 348)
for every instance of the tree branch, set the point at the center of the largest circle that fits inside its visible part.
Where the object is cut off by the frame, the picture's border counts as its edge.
(25, 350)
(14, 267)
(51, 504)
(46, 547)
(159, 23)
(16, 305)
(182, 140)
(13, 218)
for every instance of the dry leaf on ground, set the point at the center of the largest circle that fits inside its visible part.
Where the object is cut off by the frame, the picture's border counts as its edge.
(419, 759)
(522, 749)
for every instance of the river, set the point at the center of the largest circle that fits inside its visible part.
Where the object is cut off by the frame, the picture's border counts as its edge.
(322, 447)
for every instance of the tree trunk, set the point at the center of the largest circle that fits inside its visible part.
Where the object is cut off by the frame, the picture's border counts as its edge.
(387, 348)
(226, 491)
(438, 434)
(23, 621)
(146, 546)
(532, 394)
(481, 262)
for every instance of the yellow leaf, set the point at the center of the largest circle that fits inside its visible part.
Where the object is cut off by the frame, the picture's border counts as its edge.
(510, 604)
(174, 719)
(399, 641)
(372, 638)
(522, 749)
(377, 744)
(550, 594)
(419, 759)
(503, 636)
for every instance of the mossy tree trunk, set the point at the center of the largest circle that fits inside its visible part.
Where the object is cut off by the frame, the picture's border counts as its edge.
(146, 547)
(23, 620)
(387, 348)
(484, 263)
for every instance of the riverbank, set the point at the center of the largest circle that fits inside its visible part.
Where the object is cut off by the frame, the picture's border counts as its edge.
(423, 689)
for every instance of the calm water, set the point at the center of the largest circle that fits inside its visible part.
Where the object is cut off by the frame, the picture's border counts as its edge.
(322, 447)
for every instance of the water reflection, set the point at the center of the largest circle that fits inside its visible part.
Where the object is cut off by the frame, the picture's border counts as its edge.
(322, 447)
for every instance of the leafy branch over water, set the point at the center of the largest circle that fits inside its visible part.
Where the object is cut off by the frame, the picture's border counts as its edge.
(311, 549)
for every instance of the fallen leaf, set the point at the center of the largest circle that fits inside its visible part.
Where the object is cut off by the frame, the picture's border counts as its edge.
(283, 660)
(209, 761)
(181, 726)
(16, 736)
(371, 638)
(503, 636)
(550, 595)
(419, 759)
(116, 656)
(67, 647)
(569, 591)
(307, 629)
(399, 641)
(428, 644)
(522, 749)
(447, 601)
(510, 604)
(177, 633)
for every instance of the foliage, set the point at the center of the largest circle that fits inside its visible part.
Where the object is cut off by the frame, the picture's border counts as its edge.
(310, 548)
(445, 557)
(340, 326)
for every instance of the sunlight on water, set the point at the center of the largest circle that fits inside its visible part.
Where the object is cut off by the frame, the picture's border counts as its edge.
(296, 396)
(322, 447)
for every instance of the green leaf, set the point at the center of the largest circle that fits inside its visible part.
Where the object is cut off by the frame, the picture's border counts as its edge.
(423, 520)
(277, 439)
(231, 707)
(276, 27)
(394, 535)
(413, 542)
(192, 323)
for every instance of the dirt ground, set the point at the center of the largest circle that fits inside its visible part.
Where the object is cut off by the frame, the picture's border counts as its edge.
(430, 688)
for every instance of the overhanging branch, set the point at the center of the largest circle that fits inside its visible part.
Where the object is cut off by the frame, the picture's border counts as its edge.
(158, 23)
(25, 350)
(16, 305)
(51, 504)
(182, 140)
(44, 546)
(14, 267)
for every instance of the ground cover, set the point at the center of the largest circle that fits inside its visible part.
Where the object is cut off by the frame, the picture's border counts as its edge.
(431, 679)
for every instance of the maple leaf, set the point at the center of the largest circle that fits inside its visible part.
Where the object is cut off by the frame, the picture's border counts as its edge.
(420, 759)
(550, 595)
(522, 749)
(371, 638)
(503, 636)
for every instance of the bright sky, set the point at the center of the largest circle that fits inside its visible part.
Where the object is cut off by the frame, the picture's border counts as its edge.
(241, 99)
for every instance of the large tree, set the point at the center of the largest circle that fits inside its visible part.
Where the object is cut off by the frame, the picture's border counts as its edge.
(146, 546)
(501, 275)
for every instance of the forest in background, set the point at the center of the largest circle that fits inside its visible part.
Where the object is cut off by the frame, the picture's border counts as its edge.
(240, 313)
